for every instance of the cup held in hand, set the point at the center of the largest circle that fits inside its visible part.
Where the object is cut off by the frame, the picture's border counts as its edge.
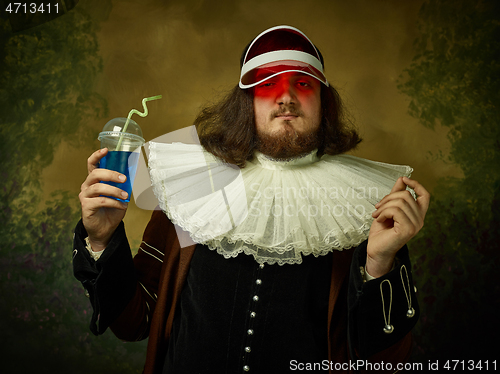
(123, 151)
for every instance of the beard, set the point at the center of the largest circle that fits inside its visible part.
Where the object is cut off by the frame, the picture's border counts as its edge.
(287, 143)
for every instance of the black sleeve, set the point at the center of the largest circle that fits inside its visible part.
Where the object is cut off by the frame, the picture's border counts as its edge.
(382, 311)
(110, 282)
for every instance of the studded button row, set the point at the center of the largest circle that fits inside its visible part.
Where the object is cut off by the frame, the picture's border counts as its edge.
(253, 316)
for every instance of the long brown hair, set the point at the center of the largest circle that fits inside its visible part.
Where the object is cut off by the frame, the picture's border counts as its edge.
(227, 128)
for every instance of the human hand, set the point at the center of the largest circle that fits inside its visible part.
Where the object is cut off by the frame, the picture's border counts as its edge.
(398, 218)
(101, 215)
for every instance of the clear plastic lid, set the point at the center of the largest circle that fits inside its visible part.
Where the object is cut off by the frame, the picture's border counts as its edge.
(114, 128)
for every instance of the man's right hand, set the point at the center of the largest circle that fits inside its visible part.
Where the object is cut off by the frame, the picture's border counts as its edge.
(101, 215)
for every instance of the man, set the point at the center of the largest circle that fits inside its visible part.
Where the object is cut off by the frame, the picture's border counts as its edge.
(226, 305)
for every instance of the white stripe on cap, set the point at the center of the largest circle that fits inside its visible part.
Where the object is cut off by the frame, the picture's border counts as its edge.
(278, 28)
(283, 55)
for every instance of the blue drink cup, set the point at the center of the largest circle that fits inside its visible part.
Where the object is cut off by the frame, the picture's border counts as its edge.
(123, 151)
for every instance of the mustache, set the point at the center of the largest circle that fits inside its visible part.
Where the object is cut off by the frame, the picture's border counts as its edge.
(286, 109)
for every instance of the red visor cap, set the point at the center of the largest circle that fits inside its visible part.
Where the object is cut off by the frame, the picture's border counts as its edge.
(279, 50)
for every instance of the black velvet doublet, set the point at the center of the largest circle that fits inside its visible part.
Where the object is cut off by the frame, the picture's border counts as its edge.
(261, 317)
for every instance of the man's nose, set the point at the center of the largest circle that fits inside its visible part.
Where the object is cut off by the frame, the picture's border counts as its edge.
(286, 94)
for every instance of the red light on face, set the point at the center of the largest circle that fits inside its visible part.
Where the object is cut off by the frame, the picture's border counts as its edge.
(291, 84)
(288, 99)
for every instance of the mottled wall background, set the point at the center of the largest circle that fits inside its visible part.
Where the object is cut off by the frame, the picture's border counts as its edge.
(63, 80)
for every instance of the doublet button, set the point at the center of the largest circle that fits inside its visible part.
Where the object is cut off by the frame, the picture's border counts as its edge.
(258, 281)
(255, 298)
(253, 314)
(250, 332)
(248, 349)
(388, 329)
(261, 266)
(246, 368)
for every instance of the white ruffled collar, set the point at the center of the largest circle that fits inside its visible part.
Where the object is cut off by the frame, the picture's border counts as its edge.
(276, 211)
(269, 163)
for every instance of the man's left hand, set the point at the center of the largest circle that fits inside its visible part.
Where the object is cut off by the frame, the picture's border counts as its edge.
(398, 218)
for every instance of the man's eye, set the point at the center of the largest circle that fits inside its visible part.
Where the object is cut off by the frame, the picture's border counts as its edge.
(303, 84)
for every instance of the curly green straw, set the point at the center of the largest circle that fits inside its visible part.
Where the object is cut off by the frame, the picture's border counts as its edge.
(124, 129)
